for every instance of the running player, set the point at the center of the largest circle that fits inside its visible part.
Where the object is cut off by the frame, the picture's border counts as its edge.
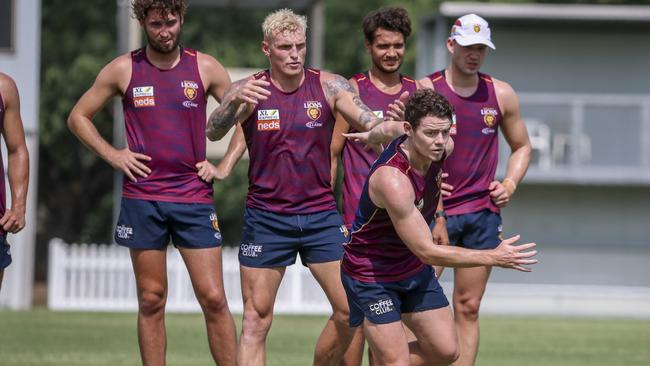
(12, 219)
(386, 31)
(386, 269)
(484, 105)
(287, 114)
(167, 192)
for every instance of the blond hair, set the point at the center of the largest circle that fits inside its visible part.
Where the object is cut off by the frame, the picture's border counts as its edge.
(283, 20)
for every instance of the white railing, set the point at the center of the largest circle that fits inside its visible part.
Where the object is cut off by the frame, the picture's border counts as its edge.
(100, 278)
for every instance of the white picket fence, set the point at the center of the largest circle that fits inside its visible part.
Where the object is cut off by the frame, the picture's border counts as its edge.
(100, 278)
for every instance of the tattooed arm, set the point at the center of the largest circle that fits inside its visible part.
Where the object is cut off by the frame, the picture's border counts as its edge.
(344, 99)
(239, 100)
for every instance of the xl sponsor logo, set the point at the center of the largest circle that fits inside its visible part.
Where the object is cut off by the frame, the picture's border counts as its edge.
(268, 120)
(143, 91)
(382, 307)
(378, 114)
(124, 232)
(250, 250)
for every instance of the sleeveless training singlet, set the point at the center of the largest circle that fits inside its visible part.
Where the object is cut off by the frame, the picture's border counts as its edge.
(165, 117)
(375, 252)
(356, 159)
(288, 138)
(473, 164)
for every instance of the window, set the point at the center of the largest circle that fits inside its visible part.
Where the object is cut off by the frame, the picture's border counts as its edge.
(6, 25)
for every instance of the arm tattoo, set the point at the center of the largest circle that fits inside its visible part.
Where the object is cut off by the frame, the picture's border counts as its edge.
(367, 117)
(338, 83)
(223, 118)
(359, 103)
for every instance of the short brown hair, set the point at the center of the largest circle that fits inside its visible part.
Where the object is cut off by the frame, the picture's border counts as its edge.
(142, 7)
(393, 19)
(426, 102)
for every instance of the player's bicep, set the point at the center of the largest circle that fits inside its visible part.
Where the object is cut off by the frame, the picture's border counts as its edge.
(105, 87)
(12, 126)
(218, 79)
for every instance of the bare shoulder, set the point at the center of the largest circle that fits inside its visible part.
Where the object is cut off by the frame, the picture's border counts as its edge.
(208, 63)
(7, 84)
(335, 83)
(390, 187)
(117, 73)
(503, 89)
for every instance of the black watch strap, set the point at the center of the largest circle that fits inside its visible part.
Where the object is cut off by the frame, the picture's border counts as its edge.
(439, 214)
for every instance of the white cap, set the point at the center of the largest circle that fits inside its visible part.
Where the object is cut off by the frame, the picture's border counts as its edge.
(471, 29)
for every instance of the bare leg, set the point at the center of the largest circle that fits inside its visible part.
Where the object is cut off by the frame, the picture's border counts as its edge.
(469, 286)
(205, 269)
(337, 334)
(388, 343)
(354, 355)
(259, 286)
(436, 342)
(150, 268)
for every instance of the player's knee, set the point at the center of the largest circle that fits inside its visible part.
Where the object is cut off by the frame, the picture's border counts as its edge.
(152, 302)
(214, 301)
(341, 316)
(468, 307)
(450, 353)
(256, 323)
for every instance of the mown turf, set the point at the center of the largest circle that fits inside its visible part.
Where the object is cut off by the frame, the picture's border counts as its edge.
(41, 337)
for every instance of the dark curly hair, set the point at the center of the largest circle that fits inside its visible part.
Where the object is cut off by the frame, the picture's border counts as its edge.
(426, 102)
(142, 7)
(393, 19)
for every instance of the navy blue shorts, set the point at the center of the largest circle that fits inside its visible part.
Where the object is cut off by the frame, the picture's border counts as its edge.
(385, 302)
(5, 253)
(476, 230)
(150, 225)
(274, 240)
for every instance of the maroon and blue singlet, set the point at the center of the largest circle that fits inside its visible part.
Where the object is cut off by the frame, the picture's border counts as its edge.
(357, 160)
(288, 138)
(165, 117)
(375, 252)
(473, 164)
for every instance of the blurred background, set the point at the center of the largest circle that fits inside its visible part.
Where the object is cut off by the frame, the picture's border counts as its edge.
(579, 68)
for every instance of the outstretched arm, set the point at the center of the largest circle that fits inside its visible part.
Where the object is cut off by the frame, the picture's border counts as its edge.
(13, 219)
(390, 189)
(238, 103)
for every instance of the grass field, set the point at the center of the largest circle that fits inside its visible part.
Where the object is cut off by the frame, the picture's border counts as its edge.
(53, 338)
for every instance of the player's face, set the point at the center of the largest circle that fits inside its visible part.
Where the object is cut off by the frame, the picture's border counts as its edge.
(467, 59)
(431, 136)
(387, 50)
(163, 33)
(286, 52)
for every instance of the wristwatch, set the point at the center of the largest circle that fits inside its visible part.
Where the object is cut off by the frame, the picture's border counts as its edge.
(441, 213)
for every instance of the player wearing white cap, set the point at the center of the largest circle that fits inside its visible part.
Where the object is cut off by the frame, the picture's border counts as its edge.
(483, 105)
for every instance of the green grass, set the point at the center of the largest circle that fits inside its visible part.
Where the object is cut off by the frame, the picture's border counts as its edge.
(54, 338)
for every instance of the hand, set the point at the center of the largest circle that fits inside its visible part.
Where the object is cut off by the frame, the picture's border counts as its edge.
(514, 256)
(445, 188)
(366, 139)
(208, 172)
(13, 220)
(396, 110)
(130, 163)
(251, 90)
(439, 232)
(498, 194)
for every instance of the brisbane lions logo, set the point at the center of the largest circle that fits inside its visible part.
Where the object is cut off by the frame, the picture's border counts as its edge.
(313, 109)
(190, 89)
(477, 28)
(489, 116)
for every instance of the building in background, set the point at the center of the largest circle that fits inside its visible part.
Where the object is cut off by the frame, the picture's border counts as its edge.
(581, 74)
